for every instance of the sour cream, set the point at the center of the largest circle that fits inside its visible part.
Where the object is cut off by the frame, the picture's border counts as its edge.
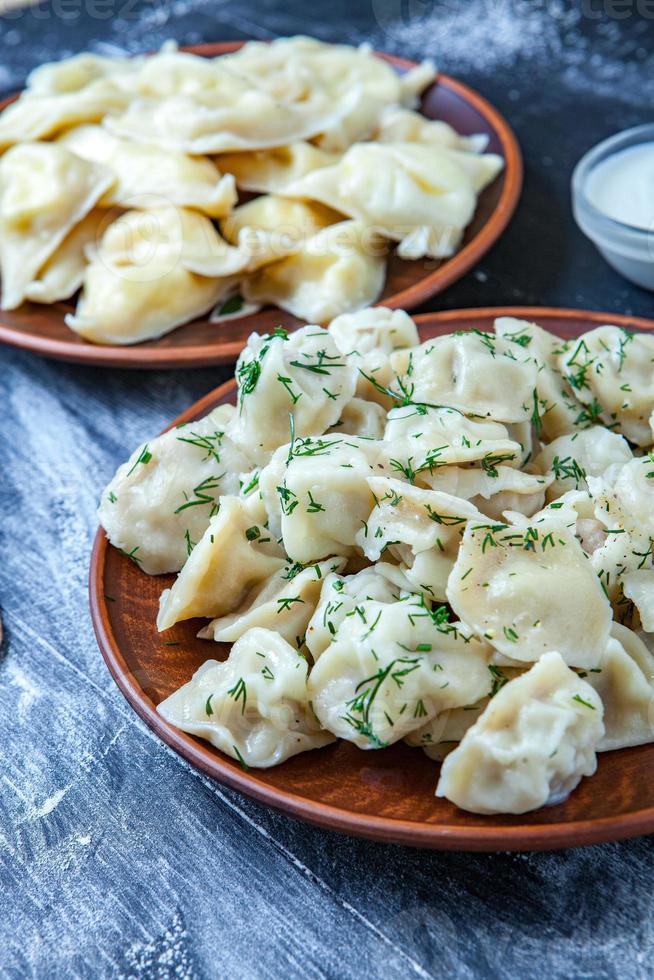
(622, 186)
(613, 201)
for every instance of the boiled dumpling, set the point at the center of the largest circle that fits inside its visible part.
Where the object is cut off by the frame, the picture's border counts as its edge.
(362, 85)
(361, 418)
(638, 586)
(142, 283)
(559, 411)
(475, 372)
(44, 192)
(63, 273)
(612, 372)
(393, 667)
(493, 490)
(77, 73)
(64, 93)
(146, 174)
(417, 444)
(624, 681)
(571, 458)
(398, 125)
(321, 497)
(301, 375)
(254, 706)
(623, 504)
(420, 196)
(291, 67)
(442, 734)
(531, 746)
(269, 171)
(269, 228)
(367, 337)
(420, 528)
(530, 590)
(36, 116)
(224, 566)
(203, 106)
(376, 329)
(250, 119)
(340, 268)
(341, 595)
(285, 603)
(159, 503)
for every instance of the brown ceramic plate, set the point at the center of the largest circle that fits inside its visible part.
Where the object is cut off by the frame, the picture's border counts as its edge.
(42, 328)
(387, 795)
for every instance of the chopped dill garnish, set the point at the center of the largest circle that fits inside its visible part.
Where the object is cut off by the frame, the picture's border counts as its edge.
(240, 693)
(144, 458)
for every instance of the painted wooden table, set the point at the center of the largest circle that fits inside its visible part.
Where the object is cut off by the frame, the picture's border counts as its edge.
(117, 860)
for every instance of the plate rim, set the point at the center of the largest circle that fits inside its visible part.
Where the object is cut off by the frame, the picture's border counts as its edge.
(532, 837)
(205, 355)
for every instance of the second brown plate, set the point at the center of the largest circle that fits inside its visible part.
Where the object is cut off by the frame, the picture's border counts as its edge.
(42, 328)
(387, 795)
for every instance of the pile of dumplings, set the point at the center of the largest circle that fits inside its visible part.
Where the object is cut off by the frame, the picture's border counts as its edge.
(121, 177)
(448, 543)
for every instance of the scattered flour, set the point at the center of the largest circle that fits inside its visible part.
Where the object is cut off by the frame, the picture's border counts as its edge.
(592, 51)
(607, 56)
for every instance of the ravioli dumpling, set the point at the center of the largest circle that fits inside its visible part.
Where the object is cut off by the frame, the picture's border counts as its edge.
(254, 706)
(340, 268)
(299, 376)
(530, 747)
(45, 191)
(530, 590)
(144, 174)
(159, 503)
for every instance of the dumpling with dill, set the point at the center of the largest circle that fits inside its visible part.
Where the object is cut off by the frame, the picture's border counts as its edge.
(289, 384)
(390, 529)
(160, 502)
(254, 706)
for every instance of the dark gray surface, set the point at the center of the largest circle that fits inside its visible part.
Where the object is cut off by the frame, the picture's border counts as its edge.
(117, 859)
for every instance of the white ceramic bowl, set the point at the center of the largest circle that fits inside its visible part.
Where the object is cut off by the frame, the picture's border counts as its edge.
(628, 249)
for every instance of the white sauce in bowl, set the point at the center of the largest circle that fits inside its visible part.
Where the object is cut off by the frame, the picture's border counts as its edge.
(622, 186)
